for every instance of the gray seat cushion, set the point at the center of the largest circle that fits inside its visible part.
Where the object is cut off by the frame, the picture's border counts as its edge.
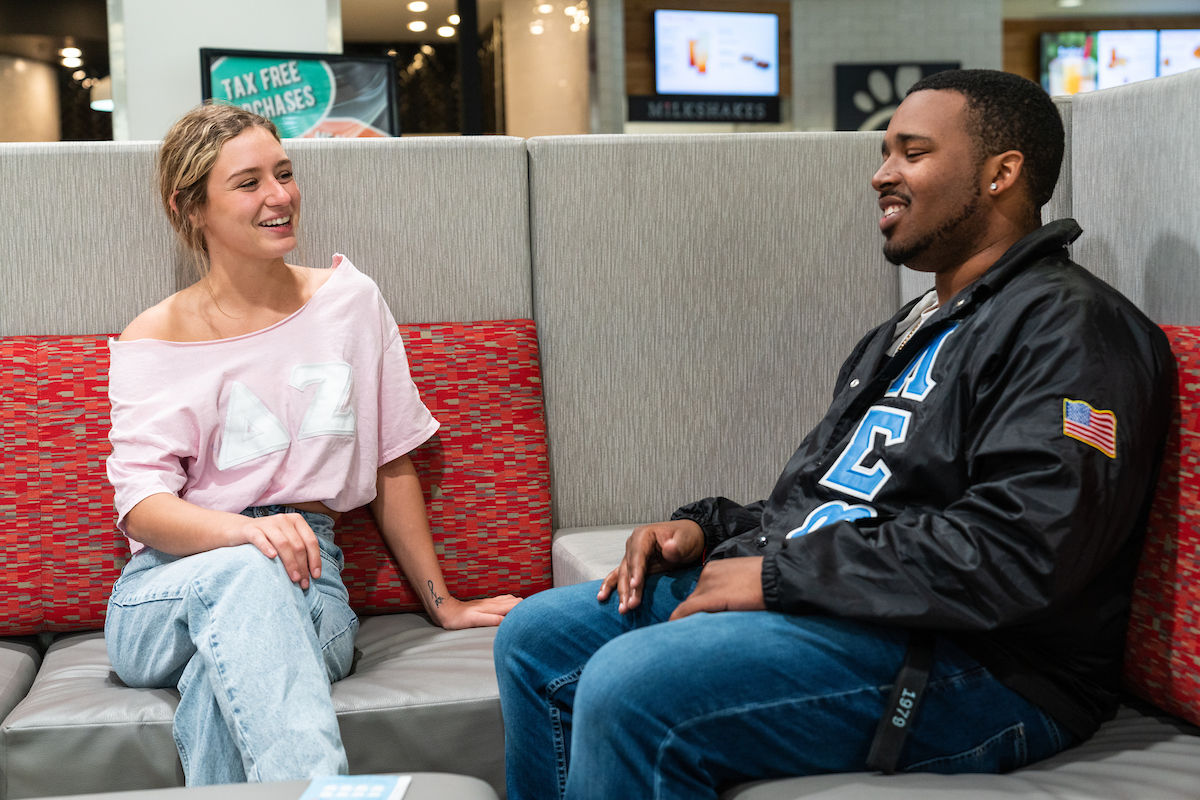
(420, 699)
(19, 660)
(424, 786)
(1139, 755)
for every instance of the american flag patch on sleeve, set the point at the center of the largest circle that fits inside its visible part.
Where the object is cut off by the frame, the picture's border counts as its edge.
(1090, 426)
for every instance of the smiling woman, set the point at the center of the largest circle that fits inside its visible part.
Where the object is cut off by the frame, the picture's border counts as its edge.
(249, 411)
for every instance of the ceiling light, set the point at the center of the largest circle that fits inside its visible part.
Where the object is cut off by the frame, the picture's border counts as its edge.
(537, 28)
(417, 26)
(446, 31)
(72, 62)
(570, 11)
(70, 52)
(1070, 3)
(417, 6)
(545, 8)
(453, 19)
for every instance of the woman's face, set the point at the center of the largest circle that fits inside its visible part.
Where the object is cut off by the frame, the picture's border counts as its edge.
(253, 202)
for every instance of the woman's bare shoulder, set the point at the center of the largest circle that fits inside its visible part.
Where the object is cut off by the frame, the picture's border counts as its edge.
(165, 321)
(311, 278)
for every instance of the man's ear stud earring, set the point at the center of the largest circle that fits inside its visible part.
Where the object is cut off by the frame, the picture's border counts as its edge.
(993, 187)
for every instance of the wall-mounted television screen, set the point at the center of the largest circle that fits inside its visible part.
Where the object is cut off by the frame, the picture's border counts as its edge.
(306, 95)
(1080, 61)
(732, 53)
(1178, 51)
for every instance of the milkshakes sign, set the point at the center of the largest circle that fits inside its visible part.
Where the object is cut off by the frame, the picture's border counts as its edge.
(306, 95)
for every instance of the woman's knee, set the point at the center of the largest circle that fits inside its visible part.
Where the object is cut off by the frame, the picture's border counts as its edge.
(243, 569)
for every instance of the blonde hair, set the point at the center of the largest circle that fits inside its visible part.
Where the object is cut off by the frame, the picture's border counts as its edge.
(185, 160)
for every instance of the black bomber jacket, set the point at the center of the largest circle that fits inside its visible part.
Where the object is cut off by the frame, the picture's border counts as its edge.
(990, 482)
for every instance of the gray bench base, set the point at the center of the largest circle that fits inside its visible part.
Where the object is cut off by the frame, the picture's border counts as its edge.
(420, 699)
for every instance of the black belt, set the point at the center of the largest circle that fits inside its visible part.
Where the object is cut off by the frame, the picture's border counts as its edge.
(901, 710)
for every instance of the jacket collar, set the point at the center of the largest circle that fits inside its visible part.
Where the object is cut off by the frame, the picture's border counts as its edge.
(1046, 240)
(1051, 238)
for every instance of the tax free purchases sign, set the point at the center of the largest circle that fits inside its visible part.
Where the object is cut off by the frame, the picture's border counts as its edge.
(303, 96)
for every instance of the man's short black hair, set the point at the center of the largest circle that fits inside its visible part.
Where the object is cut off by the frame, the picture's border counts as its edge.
(1008, 112)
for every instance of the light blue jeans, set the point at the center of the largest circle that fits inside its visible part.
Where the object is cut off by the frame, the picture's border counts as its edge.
(252, 655)
(599, 705)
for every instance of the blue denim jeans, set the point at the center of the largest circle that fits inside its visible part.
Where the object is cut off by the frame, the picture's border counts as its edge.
(252, 655)
(599, 705)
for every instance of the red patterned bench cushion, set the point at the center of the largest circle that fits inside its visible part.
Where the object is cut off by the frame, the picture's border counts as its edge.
(1162, 654)
(486, 473)
(486, 476)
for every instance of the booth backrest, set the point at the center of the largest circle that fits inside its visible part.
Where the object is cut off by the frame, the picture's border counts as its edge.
(694, 297)
(440, 224)
(485, 475)
(1134, 186)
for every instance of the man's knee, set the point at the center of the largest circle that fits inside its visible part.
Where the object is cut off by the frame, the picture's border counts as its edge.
(628, 675)
(540, 620)
(515, 628)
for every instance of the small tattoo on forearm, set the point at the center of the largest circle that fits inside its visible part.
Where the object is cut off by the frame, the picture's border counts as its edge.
(437, 599)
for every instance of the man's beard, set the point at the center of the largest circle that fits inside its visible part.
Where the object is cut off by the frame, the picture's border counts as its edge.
(898, 254)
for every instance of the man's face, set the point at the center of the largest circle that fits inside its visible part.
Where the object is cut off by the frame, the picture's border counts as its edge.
(929, 184)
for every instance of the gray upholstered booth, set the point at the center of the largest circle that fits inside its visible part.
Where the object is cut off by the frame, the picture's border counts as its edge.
(693, 298)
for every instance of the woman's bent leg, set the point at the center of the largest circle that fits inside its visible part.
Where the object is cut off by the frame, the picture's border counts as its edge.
(541, 649)
(240, 640)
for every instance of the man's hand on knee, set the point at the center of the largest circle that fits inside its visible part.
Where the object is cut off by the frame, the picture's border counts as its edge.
(649, 549)
(727, 584)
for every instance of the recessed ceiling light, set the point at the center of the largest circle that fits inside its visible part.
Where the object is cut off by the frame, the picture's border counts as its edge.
(537, 28)
(72, 62)
(417, 26)
(417, 6)
(453, 19)
(1070, 3)
(446, 31)
(545, 8)
(70, 52)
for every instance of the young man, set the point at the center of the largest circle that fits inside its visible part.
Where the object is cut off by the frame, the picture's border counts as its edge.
(940, 579)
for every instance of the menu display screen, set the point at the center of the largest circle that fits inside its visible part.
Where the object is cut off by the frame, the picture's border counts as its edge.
(1178, 51)
(1081, 61)
(716, 53)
